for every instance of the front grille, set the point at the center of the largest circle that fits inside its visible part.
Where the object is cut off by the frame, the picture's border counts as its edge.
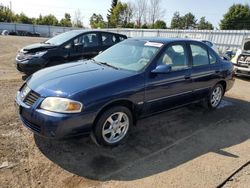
(30, 125)
(31, 98)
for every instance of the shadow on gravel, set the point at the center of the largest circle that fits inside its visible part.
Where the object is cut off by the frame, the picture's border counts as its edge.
(156, 144)
(245, 78)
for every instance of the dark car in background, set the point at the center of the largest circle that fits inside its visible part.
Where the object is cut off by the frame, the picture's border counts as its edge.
(133, 79)
(65, 47)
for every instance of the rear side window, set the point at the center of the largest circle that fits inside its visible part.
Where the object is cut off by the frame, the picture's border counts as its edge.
(199, 55)
(212, 58)
(109, 39)
(175, 56)
(121, 38)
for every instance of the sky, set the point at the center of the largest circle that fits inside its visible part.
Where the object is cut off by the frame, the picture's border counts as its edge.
(213, 10)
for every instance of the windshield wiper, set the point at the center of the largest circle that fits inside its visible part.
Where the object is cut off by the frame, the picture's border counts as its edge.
(104, 63)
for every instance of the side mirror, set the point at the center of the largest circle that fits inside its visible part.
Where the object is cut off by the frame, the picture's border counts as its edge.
(162, 69)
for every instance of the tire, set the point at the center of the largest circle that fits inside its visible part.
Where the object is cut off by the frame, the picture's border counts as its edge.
(215, 96)
(112, 126)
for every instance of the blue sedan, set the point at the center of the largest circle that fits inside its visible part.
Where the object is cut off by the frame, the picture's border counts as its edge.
(106, 95)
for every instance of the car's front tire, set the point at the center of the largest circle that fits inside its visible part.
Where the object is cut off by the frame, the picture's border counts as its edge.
(113, 125)
(215, 96)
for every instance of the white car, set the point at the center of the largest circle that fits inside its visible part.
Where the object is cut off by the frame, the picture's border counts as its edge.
(5, 32)
(241, 60)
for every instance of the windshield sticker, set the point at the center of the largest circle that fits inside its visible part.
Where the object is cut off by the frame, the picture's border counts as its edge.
(153, 44)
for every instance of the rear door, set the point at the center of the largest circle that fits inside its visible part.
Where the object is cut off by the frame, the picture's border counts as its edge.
(84, 46)
(170, 89)
(92, 45)
(203, 71)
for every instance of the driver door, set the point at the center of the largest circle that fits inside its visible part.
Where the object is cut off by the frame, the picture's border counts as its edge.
(167, 90)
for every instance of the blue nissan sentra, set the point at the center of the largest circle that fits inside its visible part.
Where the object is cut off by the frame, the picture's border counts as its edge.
(136, 78)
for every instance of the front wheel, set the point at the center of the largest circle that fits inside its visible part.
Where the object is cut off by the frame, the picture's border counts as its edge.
(113, 125)
(215, 96)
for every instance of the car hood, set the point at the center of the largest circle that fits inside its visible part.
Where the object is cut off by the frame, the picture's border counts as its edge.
(68, 79)
(37, 47)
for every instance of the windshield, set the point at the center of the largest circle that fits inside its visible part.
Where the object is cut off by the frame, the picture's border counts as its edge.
(247, 46)
(130, 55)
(61, 38)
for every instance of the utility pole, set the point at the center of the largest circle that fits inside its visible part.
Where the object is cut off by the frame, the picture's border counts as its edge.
(10, 6)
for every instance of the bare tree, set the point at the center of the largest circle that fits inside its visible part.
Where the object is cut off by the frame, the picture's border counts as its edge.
(140, 11)
(129, 11)
(78, 19)
(156, 11)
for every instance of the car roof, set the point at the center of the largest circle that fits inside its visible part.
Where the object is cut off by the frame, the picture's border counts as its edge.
(163, 40)
(81, 31)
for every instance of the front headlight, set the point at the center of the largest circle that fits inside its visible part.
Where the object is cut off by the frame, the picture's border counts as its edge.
(61, 105)
(30, 56)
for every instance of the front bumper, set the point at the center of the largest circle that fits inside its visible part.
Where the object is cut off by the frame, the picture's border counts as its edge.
(30, 66)
(50, 124)
(244, 71)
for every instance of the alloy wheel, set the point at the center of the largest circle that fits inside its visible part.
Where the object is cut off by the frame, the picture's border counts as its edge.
(216, 96)
(115, 127)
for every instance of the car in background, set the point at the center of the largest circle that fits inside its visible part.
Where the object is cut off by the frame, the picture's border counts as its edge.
(5, 32)
(65, 47)
(133, 79)
(241, 60)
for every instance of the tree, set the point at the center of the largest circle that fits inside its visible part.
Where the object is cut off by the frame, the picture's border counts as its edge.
(22, 18)
(118, 17)
(48, 20)
(78, 19)
(141, 10)
(156, 12)
(110, 11)
(96, 21)
(129, 13)
(237, 17)
(66, 21)
(190, 21)
(203, 24)
(6, 15)
(177, 21)
(160, 24)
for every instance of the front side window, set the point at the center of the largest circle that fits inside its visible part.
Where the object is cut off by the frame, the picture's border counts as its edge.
(130, 55)
(199, 55)
(87, 40)
(175, 56)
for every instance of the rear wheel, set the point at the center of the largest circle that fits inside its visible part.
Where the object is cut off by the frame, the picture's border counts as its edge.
(113, 125)
(215, 96)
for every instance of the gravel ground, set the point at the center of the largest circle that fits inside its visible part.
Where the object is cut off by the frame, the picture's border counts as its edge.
(187, 147)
